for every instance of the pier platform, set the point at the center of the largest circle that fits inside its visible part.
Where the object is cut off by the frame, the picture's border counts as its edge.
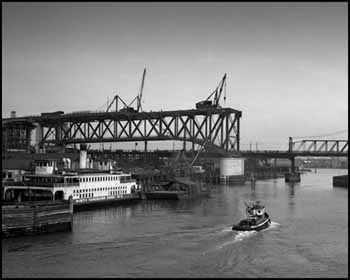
(36, 217)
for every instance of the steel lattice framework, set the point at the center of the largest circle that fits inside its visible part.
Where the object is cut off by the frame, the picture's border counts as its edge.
(325, 146)
(216, 128)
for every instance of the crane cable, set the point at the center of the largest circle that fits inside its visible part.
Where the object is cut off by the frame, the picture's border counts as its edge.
(323, 135)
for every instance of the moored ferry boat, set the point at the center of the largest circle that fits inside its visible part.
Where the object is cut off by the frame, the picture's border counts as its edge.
(85, 186)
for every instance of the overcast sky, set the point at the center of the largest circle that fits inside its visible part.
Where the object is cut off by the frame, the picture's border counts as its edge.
(286, 63)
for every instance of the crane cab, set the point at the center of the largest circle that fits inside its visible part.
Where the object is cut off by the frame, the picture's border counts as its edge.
(204, 104)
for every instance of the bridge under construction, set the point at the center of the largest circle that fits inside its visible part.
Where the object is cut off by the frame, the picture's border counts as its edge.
(215, 130)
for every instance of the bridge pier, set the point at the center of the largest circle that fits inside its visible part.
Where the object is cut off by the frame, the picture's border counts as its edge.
(274, 168)
(293, 176)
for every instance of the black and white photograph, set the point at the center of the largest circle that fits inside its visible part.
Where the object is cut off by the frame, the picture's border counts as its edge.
(174, 140)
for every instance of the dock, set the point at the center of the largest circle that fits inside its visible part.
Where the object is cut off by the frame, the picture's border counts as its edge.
(36, 217)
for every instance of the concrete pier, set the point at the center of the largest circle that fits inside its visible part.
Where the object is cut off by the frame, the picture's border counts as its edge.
(340, 181)
(292, 177)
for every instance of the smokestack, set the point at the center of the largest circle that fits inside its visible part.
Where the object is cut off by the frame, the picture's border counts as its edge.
(64, 162)
(82, 156)
(68, 163)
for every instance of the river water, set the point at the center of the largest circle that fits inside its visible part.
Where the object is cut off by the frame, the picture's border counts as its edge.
(308, 236)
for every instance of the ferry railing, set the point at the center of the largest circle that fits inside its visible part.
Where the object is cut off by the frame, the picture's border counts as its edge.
(66, 184)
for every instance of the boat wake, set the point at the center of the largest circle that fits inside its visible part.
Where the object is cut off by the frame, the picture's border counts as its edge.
(243, 235)
(273, 225)
(225, 230)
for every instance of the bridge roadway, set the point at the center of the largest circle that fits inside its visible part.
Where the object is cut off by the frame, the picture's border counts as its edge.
(241, 154)
(217, 130)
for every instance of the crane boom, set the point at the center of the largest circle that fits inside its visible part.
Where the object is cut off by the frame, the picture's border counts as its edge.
(207, 103)
(139, 106)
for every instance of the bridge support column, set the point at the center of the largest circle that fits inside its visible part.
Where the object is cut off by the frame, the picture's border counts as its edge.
(293, 175)
(38, 137)
(274, 168)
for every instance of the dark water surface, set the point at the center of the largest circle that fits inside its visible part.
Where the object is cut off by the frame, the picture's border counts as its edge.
(308, 236)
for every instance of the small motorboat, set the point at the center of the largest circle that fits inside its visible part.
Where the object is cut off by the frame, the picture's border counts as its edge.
(257, 218)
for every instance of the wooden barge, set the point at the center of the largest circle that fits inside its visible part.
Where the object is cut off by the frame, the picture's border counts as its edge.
(36, 217)
(175, 189)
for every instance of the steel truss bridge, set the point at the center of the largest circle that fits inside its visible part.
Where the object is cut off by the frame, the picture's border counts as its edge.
(218, 129)
(304, 148)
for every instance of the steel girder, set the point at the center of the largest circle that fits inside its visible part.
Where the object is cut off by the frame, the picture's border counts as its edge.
(325, 146)
(215, 128)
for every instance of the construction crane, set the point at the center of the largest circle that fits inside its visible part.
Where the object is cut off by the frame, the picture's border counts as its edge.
(207, 103)
(138, 98)
(139, 106)
(115, 99)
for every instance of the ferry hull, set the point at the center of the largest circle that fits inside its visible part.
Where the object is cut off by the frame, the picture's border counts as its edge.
(264, 224)
(167, 195)
(91, 204)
